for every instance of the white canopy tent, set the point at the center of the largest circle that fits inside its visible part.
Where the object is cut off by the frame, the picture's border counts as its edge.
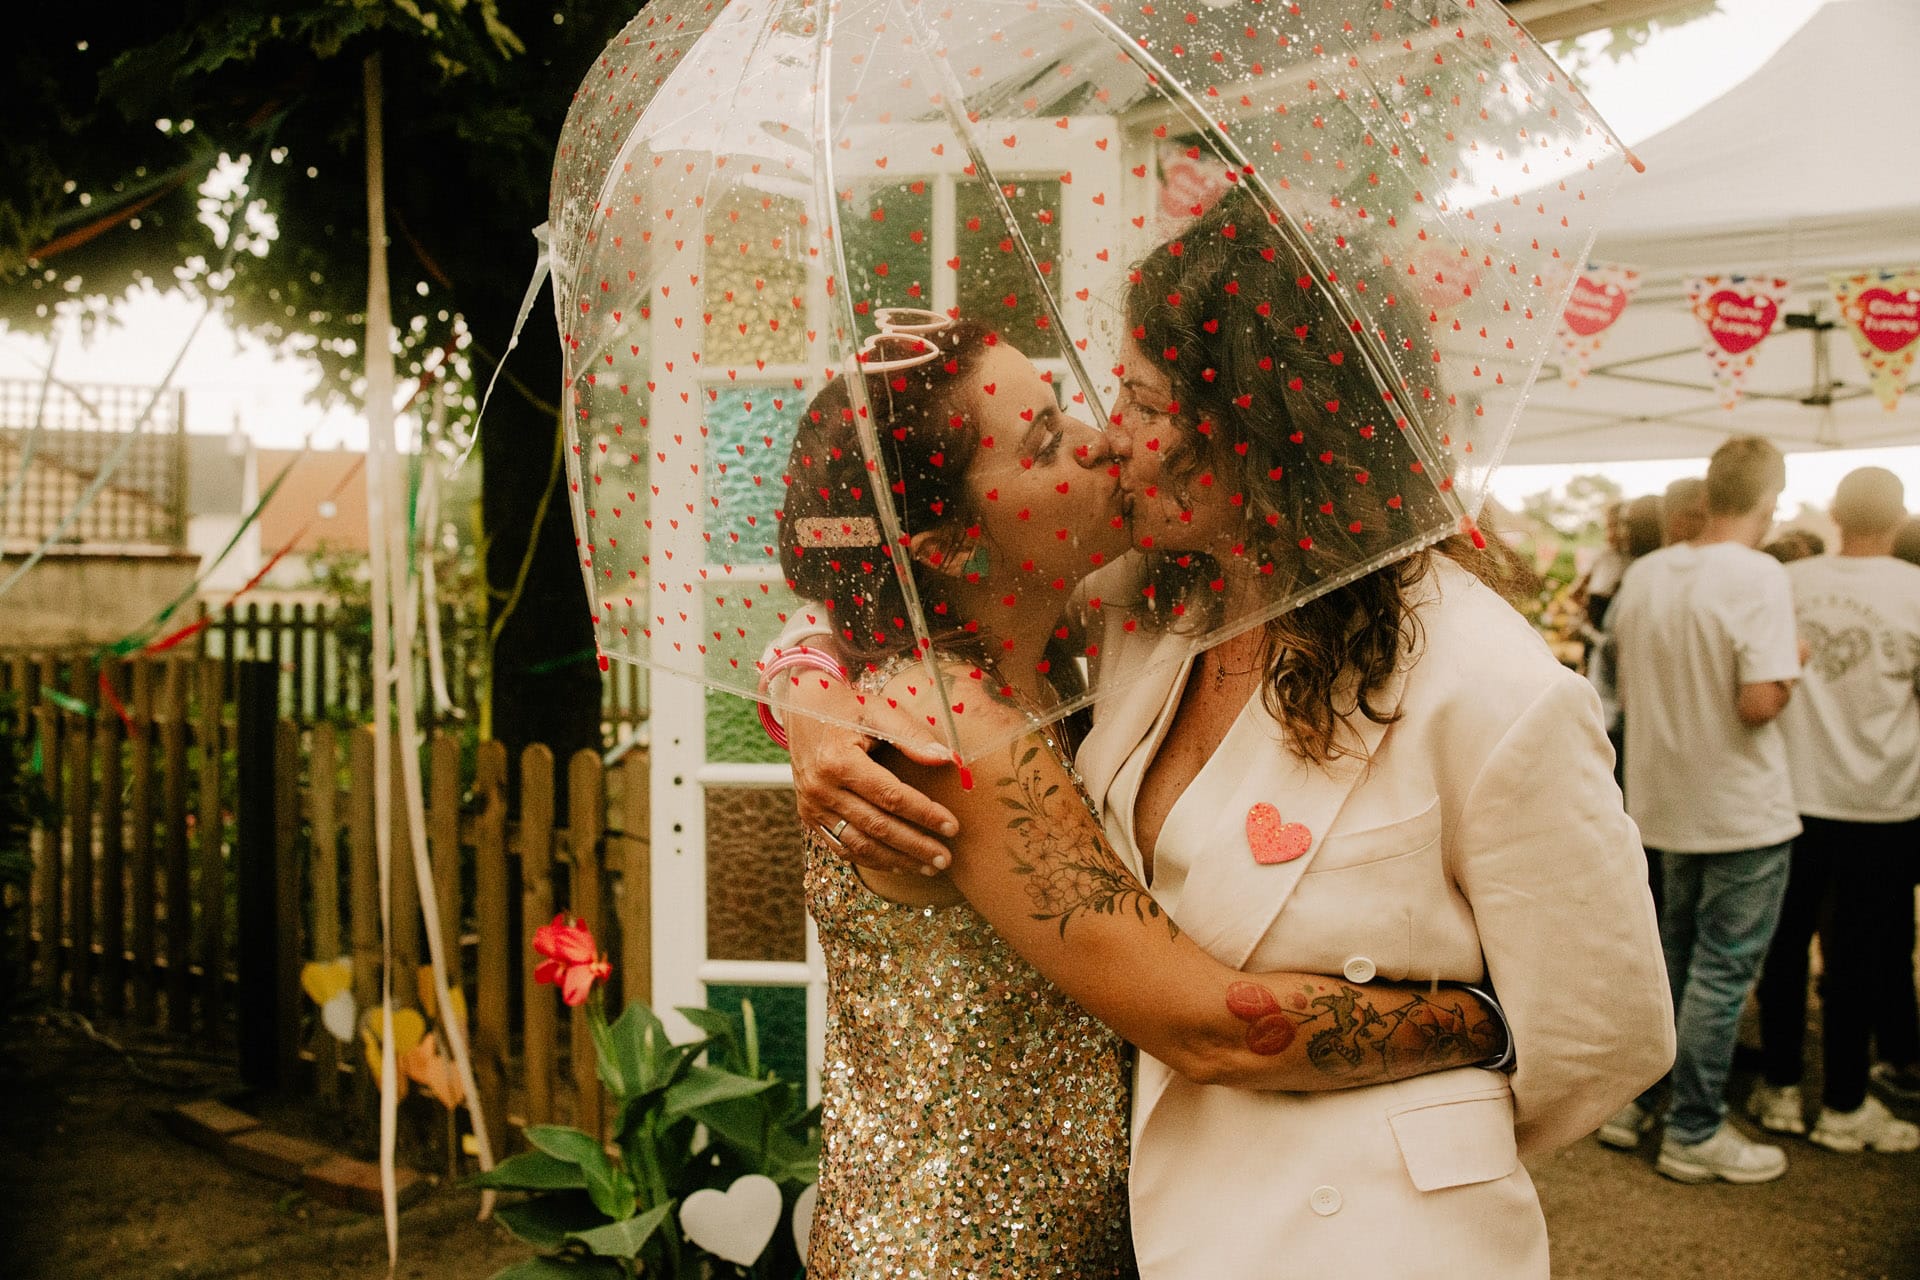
(1809, 166)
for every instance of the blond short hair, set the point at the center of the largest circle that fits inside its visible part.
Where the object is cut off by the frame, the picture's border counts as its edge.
(1870, 500)
(1741, 472)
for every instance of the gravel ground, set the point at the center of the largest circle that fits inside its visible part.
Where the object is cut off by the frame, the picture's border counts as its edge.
(92, 1187)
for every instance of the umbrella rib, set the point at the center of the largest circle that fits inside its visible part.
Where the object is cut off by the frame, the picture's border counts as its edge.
(955, 118)
(825, 195)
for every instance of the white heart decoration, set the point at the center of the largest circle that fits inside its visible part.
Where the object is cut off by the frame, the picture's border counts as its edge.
(737, 1223)
(803, 1219)
(339, 1016)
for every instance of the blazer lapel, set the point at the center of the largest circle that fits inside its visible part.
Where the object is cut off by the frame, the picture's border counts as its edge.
(1230, 900)
(1154, 667)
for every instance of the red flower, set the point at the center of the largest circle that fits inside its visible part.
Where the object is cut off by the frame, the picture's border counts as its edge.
(570, 963)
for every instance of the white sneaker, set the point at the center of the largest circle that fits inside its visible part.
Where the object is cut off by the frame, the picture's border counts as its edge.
(1626, 1126)
(1778, 1108)
(1868, 1127)
(1727, 1157)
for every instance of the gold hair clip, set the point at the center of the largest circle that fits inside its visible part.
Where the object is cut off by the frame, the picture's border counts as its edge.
(833, 531)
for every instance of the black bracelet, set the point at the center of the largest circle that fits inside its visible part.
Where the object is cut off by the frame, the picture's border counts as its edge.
(1502, 1061)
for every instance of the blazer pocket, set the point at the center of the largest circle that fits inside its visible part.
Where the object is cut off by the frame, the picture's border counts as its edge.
(1344, 849)
(1457, 1141)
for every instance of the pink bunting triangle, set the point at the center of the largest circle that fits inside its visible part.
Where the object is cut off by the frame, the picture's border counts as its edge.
(1882, 311)
(1736, 313)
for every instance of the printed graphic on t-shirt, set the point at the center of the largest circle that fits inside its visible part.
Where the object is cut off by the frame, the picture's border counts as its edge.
(1832, 654)
(1842, 631)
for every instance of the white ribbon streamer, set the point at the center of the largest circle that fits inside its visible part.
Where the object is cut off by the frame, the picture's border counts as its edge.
(542, 268)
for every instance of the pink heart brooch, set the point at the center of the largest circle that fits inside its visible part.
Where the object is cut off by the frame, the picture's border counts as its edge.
(1272, 840)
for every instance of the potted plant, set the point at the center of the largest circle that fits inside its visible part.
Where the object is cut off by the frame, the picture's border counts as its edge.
(706, 1160)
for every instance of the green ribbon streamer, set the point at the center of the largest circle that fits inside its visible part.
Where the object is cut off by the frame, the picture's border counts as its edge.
(145, 632)
(65, 701)
(554, 664)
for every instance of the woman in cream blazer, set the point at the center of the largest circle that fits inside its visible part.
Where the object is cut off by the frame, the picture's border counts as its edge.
(1477, 838)
(1454, 782)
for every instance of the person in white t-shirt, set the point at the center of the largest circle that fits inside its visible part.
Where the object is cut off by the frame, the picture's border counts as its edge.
(1853, 744)
(1706, 661)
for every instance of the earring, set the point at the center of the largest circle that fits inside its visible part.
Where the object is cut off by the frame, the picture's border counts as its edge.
(979, 564)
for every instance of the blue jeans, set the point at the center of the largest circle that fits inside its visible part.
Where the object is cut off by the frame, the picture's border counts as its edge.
(1717, 918)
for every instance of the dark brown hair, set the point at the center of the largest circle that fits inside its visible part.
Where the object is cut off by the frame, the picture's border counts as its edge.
(925, 423)
(1642, 523)
(923, 419)
(1285, 419)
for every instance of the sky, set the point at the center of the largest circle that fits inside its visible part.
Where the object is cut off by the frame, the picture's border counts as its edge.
(234, 382)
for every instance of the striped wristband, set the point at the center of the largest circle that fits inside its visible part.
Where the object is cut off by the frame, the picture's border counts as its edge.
(788, 660)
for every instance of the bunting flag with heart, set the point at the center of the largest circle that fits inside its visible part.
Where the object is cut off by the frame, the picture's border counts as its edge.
(1736, 314)
(1600, 295)
(1188, 186)
(1882, 309)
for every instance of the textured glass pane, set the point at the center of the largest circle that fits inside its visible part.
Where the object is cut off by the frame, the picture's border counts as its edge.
(749, 428)
(888, 238)
(997, 285)
(780, 1016)
(734, 734)
(742, 618)
(756, 280)
(755, 909)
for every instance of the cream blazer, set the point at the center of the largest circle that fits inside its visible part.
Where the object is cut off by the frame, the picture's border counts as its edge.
(1481, 838)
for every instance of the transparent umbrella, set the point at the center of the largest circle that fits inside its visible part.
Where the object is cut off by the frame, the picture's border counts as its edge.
(839, 284)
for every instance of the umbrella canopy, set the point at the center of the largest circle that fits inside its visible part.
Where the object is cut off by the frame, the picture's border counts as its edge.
(1801, 170)
(795, 241)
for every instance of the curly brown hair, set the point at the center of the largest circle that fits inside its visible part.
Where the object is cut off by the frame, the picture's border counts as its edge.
(1341, 498)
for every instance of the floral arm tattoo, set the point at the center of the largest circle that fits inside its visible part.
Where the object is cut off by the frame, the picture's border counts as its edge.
(1069, 874)
(1393, 1030)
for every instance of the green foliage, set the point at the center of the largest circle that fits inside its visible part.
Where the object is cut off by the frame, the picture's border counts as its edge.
(140, 138)
(1626, 39)
(1577, 509)
(23, 804)
(613, 1210)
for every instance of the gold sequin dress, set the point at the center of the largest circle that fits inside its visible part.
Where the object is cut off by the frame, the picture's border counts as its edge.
(975, 1118)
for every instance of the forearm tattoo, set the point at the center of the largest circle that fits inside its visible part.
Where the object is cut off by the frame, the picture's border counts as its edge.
(1070, 870)
(1400, 1032)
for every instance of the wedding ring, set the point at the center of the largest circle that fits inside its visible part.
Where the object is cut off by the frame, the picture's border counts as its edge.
(838, 827)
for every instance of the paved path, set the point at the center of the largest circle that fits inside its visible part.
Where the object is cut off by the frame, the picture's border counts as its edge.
(92, 1188)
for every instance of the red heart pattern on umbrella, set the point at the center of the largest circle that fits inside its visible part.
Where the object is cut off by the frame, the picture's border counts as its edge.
(739, 206)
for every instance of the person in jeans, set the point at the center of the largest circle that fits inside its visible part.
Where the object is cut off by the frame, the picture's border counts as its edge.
(1853, 743)
(1641, 535)
(1896, 1029)
(1707, 660)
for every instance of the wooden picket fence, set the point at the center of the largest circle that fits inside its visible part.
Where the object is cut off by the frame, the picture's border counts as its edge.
(325, 657)
(133, 916)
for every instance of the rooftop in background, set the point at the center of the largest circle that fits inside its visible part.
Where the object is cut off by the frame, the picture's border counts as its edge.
(322, 504)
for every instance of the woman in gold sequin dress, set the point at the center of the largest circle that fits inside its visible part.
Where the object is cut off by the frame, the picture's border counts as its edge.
(975, 1112)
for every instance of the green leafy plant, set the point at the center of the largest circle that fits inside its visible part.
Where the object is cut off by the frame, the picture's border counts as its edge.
(680, 1126)
(23, 805)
